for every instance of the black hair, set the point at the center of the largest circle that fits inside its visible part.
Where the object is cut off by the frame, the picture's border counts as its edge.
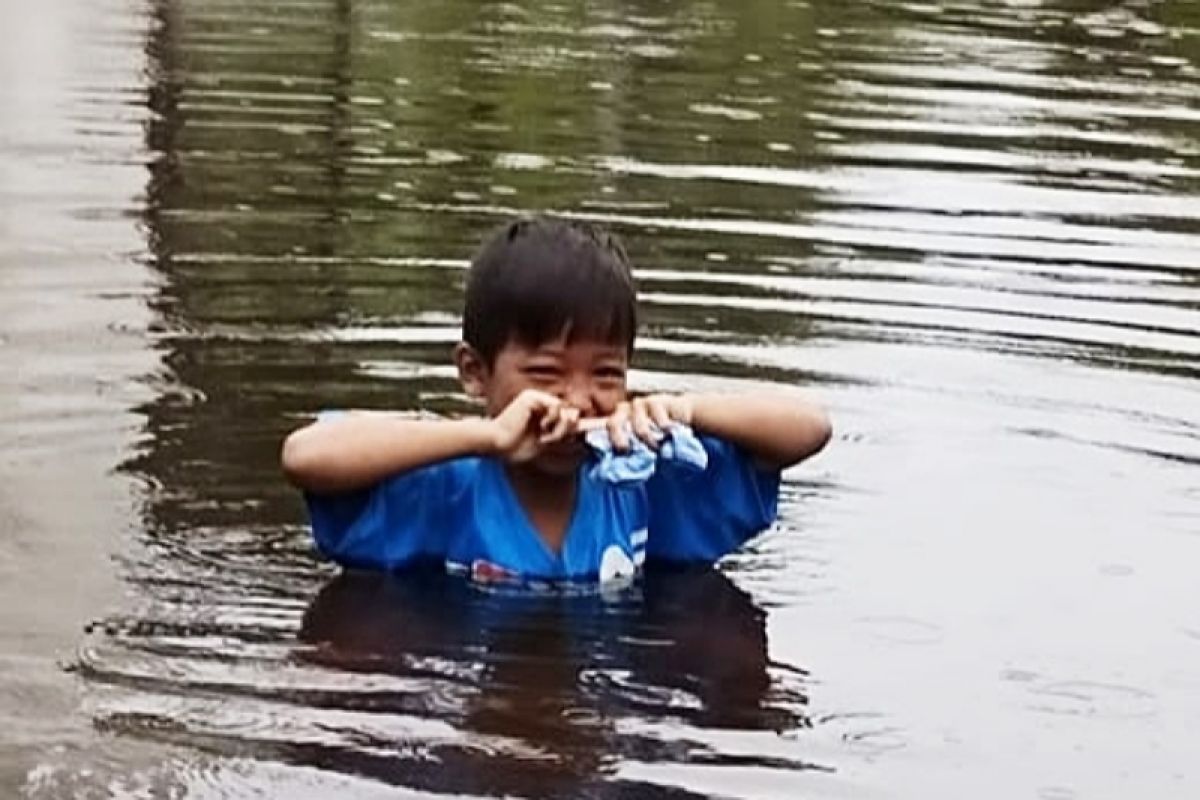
(536, 277)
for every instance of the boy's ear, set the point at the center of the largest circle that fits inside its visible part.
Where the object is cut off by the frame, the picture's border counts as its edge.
(472, 369)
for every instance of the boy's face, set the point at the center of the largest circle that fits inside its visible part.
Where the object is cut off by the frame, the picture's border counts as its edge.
(588, 375)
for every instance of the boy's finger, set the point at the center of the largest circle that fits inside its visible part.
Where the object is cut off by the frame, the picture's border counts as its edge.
(561, 428)
(538, 400)
(549, 419)
(661, 414)
(616, 428)
(642, 425)
(590, 424)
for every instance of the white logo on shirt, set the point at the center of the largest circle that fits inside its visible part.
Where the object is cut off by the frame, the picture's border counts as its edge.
(615, 565)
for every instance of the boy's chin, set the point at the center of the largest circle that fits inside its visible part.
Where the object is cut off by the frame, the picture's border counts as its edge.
(561, 463)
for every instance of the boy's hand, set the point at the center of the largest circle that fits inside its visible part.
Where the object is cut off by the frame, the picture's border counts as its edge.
(530, 423)
(642, 413)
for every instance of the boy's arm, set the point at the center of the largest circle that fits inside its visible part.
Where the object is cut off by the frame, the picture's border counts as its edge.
(359, 449)
(777, 429)
(356, 450)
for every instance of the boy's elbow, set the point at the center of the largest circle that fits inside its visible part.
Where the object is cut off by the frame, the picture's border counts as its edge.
(822, 431)
(298, 461)
(815, 429)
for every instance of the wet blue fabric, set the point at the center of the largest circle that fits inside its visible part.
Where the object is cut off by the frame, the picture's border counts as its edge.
(636, 464)
(464, 514)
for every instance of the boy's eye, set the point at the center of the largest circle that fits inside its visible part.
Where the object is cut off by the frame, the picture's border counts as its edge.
(542, 371)
(610, 373)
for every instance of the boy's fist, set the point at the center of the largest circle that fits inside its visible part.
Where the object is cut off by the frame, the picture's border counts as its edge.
(647, 416)
(532, 421)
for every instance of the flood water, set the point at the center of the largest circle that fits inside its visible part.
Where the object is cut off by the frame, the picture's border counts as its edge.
(969, 228)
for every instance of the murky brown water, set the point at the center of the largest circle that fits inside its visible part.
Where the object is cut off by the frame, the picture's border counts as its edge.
(970, 228)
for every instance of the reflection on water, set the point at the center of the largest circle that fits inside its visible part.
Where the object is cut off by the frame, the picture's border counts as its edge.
(549, 680)
(425, 681)
(967, 226)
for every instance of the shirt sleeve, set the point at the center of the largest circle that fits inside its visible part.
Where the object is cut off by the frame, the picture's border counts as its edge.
(702, 517)
(398, 521)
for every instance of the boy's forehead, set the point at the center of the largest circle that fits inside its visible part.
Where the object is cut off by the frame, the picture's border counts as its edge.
(563, 346)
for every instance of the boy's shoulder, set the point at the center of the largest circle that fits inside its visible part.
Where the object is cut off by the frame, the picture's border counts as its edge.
(433, 481)
(702, 517)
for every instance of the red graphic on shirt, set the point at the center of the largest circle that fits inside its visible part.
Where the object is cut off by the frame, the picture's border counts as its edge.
(487, 571)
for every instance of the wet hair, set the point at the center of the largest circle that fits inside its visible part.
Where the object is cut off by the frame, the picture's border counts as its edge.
(538, 277)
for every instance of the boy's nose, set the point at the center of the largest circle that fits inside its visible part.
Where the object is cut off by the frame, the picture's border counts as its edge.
(579, 394)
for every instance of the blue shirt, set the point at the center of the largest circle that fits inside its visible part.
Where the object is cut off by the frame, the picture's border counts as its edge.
(464, 513)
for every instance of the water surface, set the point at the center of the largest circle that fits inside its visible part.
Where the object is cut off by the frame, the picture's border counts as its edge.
(967, 227)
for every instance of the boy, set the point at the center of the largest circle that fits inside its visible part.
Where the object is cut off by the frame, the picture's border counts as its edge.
(548, 332)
